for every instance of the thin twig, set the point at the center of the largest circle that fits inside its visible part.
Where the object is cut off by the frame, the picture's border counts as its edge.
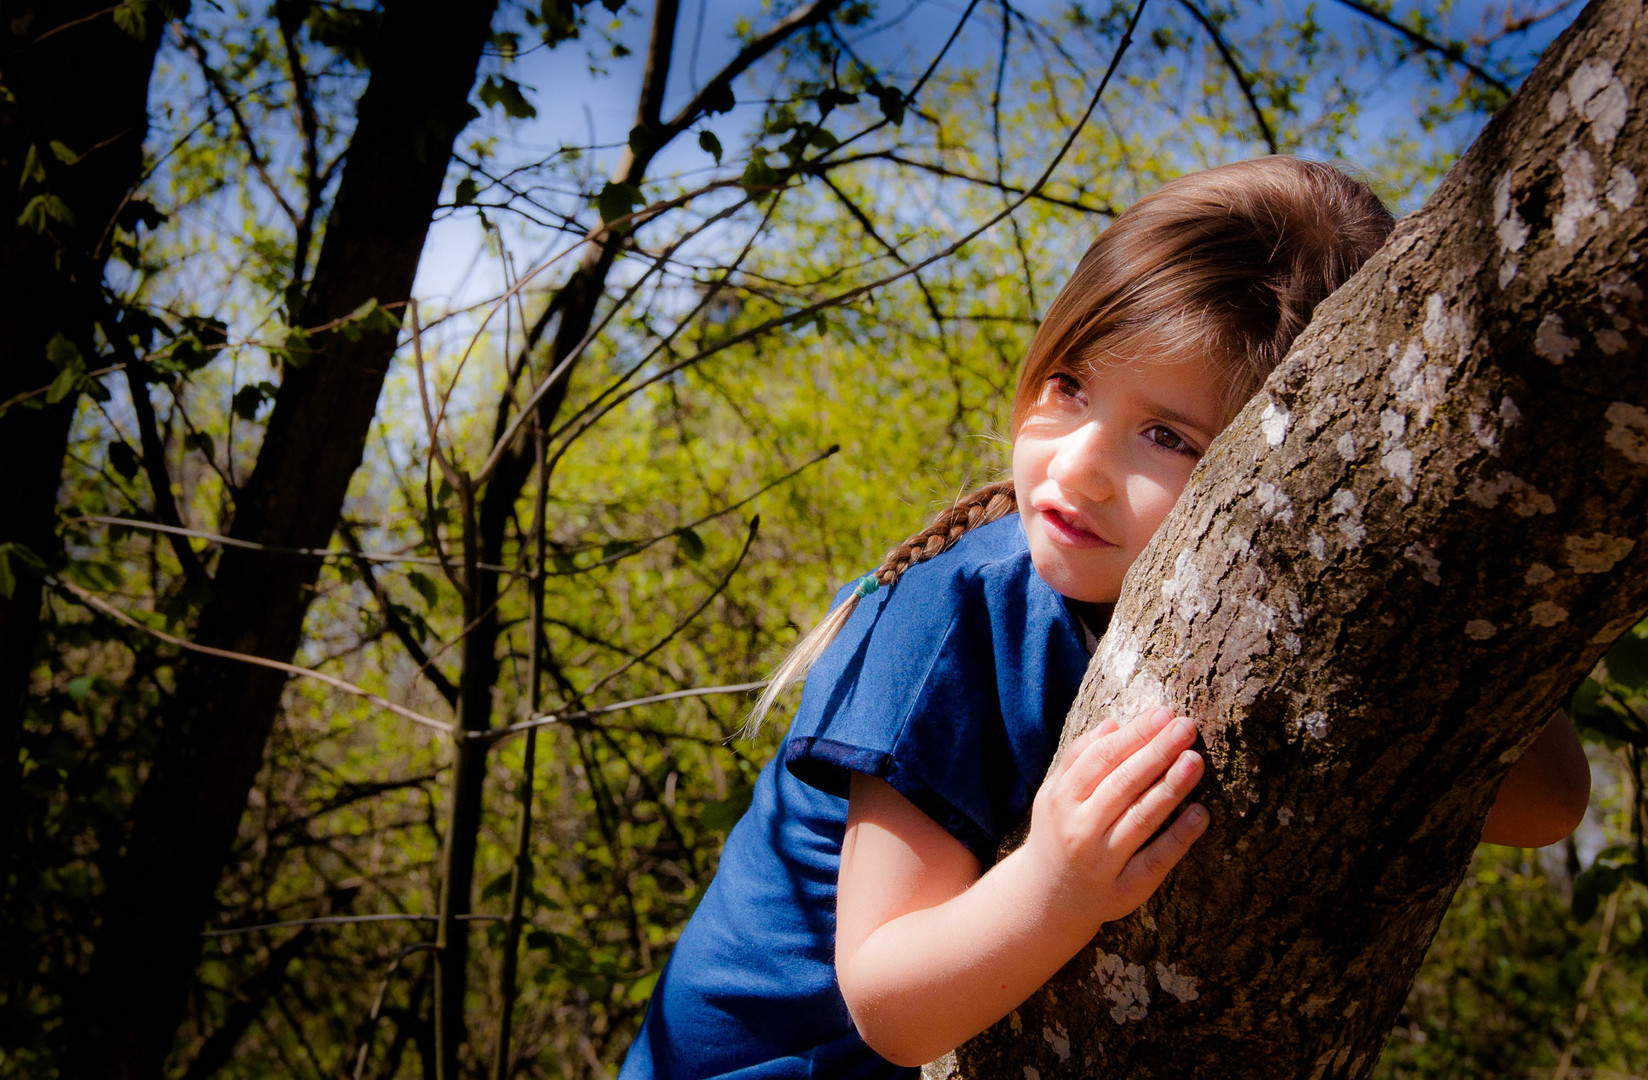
(338, 920)
(617, 706)
(246, 658)
(1236, 70)
(846, 296)
(642, 545)
(749, 539)
(1452, 52)
(230, 541)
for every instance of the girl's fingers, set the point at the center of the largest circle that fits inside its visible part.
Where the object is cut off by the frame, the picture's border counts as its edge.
(1144, 871)
(1104, 752)
(1139, 821)
(1122, 786)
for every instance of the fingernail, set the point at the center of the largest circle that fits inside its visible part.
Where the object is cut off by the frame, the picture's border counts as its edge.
(1183, 727)
(1196, 814)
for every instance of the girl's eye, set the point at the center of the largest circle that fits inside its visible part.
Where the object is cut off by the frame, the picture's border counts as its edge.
(1063, 384)
(1168, 439)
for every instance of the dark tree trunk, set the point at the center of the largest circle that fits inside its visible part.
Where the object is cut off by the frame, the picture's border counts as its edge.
(1401, 557)
(213, 735)
(49, 284)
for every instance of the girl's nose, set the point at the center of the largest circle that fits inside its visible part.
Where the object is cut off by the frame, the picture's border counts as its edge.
(1081, 463)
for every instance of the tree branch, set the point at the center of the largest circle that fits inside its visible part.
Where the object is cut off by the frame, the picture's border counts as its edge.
(1452, 52)
(1235, 70)
(397, 625)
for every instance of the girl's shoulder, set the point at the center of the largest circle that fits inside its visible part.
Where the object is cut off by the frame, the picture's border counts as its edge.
(950, 685)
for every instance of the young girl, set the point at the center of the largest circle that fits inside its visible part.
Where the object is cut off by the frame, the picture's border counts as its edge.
(860, 924)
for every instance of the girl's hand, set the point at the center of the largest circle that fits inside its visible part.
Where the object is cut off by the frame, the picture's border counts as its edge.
(917, 923)
(1099, 805)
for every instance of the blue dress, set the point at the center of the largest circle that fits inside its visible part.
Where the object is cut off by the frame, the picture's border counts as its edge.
(951, 686)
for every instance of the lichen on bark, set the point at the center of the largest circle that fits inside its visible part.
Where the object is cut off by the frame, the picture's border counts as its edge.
(1384, 576)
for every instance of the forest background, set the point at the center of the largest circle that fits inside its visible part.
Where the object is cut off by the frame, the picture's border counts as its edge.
(685, 265)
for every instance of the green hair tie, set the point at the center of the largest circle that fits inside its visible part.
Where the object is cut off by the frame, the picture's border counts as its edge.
(866, 585)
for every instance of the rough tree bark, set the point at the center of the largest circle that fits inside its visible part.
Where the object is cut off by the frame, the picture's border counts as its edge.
(50, 280)
(1401, 557)
(213, 733)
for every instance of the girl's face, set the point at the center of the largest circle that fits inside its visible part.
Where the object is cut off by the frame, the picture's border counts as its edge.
(1099, 461)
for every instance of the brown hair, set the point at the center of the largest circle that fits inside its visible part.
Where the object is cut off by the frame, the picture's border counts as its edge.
(1226, 264)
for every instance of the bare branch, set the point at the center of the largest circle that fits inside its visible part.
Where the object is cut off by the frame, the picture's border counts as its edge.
(749, 539)
(259, 661)
(952, 174)
(722, 80)
(230, 102)
(617, 706)
(1235, 70)
(1452, 52)
(848, 295)
(340, 920)
(274, 549)
(397, 625)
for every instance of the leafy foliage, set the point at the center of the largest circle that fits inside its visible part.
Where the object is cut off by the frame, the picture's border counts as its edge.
(765, 300)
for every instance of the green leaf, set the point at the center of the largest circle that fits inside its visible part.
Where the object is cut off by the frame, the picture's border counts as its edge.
(833, 97)
(424, 586)
(498, 886)
(201, 441)
(139, 212)
(506, 43)
(1592, 887)
(80, 686)
(40, 211)
(710, 145)
(642, 140)
(617, 200)
(616, 549)
(891, 101)
(690, 543)
(719, 99)
(246, 401)
(62, 386)
(8, 579)
(500, 91)
(63, 354)
(33, 168)
(559, 19)
(723, 815)
(122, 459)
(759, 177)
(467, 190)
(1627, 661)
(641, 988)
(128, 15)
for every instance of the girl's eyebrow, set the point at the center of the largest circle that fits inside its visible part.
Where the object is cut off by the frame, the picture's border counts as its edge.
(1174, 416)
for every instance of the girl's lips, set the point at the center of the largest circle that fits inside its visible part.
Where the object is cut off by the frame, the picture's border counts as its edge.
(1067, 532)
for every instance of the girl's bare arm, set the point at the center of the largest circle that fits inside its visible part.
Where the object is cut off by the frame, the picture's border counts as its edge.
(1544, 796)
(918, 927)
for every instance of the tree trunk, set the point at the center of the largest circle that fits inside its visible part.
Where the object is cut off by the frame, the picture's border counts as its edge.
(49, 282)
(1389, 571)
(213, 734)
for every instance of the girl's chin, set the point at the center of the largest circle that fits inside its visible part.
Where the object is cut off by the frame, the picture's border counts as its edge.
(1072, 579)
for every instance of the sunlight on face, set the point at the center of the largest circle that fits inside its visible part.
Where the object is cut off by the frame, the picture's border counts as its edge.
(1101, 458)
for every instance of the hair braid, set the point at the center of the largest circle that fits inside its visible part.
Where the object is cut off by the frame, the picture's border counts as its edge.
(969, 511)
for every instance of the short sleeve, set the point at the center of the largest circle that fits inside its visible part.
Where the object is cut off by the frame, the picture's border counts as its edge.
(951, 686)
